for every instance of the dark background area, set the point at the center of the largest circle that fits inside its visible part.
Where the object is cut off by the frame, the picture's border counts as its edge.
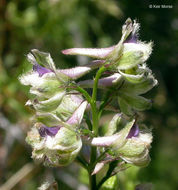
(53, 25)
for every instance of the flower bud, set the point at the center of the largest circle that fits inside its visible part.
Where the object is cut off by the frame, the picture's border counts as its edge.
(128, 53)
(43, 86)
(137, 82)
(57, 145)
(53, 104)
(103, 83)
(129, 73)
(130, 103)
(125, 140)
(136, 149)
(53, 147)
(112, 136)
(129, 98)
(63, 110)
(131, 84)
(58, 112)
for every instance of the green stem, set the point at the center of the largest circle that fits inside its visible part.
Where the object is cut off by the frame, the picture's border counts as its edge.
(85, 94)
(112, 165)
(95, 118)
(83, 162)
(95, 86)
(95, 122)
(94, 96)
(88, 122)
(102, 155)
(92, 180)
(105, 101)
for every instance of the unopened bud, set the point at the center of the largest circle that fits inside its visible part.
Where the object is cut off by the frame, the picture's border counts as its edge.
(53, 104)
(128, 53)
(53, 146)
(126, 141)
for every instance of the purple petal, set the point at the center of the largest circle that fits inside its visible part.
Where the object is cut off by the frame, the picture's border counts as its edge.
(109, 81)
(132, 39)
(99, 53)
(103, 82)
(51, 131)
(41, 70)
(134, 132)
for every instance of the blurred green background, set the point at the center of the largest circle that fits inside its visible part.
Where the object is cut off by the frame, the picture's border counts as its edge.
(53, 25)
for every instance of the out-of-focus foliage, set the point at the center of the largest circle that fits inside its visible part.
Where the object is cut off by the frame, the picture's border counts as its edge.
(53, 25)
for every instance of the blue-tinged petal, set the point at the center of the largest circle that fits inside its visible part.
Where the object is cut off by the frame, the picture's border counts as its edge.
(134, 132)
(51, 131)
(133, 37)
(77, 72)
(44, 59)
(105, 82)
(41, 70)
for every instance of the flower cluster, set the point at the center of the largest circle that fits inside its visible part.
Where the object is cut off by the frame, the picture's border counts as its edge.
(58, 112)
(128, 72)
(60, 104)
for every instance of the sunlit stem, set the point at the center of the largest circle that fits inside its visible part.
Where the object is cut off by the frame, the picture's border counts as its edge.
(95, 118)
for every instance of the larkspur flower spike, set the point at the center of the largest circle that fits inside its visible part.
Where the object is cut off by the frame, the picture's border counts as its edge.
(56, 135)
